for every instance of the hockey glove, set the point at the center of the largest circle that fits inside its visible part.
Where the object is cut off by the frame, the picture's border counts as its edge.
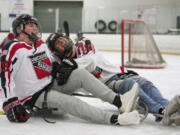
(132, 72)
(14, 111)
(55, 66)
(128, 74)
(64, 70)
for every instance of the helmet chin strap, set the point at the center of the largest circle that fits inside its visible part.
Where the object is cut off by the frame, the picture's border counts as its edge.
(32, 37)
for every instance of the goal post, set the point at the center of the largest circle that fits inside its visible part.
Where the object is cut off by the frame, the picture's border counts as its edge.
(138, 47)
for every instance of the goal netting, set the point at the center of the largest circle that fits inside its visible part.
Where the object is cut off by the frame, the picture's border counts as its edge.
(139, 49)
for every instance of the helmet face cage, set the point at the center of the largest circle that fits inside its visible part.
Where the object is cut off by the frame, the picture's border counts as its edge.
(79, 34)
(21, 21)
(51, 41)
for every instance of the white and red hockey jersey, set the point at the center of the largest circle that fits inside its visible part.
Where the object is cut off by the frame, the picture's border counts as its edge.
(7, 39)
(25, 70)
(90, 59)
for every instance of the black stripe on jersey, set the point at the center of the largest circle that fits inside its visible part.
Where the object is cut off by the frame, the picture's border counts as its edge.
(3, 58)
(3, 81)
(14, 61)
(8, 45)
(11, 71)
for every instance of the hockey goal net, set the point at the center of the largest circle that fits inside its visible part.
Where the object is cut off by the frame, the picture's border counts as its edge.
(139, 49)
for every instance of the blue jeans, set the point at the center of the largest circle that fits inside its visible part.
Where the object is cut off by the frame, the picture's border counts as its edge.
(148, 93)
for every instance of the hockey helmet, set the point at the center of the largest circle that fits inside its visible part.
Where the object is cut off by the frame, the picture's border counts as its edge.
(51, 41)
(21, 21)
(80, 35)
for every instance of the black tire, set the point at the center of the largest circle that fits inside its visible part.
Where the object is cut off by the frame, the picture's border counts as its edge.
(101, 24)
(112, 26)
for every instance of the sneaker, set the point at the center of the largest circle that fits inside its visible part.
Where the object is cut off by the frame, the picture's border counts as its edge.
(131, 118)
(129, 98)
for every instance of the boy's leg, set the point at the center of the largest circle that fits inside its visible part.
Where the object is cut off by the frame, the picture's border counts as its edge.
(81, 78)
(76, 107)
(127, 86)
(121, 86)
(153, 92)
(124, 86)
(153, 107)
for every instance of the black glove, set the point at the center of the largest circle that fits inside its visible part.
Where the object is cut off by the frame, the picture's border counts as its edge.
(132, 72)
(64, 71)
(14, 111)
(55, 66)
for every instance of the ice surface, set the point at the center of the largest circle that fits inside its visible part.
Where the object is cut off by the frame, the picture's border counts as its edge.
(167, 80)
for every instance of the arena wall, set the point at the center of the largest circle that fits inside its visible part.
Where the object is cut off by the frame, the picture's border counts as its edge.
(108, 42)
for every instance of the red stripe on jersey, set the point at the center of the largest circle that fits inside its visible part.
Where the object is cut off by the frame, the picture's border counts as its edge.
(16, 47)
(1, 45)
(23, 100)
(39, 43)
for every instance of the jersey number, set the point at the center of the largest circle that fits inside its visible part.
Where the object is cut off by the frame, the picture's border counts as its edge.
(84, 49)
(5, 66)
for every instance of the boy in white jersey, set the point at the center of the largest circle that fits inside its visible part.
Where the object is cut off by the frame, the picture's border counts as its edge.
(119, 79)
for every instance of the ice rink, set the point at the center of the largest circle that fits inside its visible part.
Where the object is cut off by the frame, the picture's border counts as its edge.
(167, 80)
